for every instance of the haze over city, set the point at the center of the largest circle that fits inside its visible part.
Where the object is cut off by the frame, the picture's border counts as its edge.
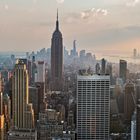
(101, 26)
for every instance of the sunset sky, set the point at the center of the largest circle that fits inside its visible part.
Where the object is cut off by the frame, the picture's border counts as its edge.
(101, 26)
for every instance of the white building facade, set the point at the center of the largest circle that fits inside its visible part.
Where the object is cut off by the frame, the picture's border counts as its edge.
(93, 107)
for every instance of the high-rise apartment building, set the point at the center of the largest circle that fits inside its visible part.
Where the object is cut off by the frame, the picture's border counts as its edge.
(23, 114)
(93, 107)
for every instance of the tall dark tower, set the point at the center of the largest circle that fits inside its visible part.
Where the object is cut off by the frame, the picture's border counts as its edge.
(57, 59)
(123, 70)
(103, 66)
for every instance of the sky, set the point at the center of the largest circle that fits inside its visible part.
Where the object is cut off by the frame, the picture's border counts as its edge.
(109, 27)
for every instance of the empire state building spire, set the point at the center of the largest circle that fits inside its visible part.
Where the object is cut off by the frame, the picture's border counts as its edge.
(57, 22)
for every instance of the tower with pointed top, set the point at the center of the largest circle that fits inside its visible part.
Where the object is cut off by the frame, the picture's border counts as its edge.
(57, 59)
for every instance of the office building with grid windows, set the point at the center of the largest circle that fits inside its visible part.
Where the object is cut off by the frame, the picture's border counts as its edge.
(93, 107)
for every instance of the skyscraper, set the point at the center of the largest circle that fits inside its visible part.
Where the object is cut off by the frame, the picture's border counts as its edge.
(40, 75)
(93, 107)
(74, 48)
(134, 53)
(74, 51)
(103, 61)
(123, 70)
(41, 90)
(1, 127)
(23, 114)
(34, 70)
(1, 118)
(82, 54)
(129, 101)
(137, 89)
(133, 127)
(138, 121)
(97, 68)
(1, 112)
(57, 58)
(1, 103)
(0, 83)
(138, 109)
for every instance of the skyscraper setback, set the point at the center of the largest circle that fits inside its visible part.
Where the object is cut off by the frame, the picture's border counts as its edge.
(57, 58)
(23, 114)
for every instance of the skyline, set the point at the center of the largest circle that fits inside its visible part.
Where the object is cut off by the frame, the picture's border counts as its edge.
(69, 69)
(102, 27)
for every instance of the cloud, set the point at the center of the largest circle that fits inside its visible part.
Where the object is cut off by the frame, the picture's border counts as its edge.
(87, 15)
(60, 1)
(72, 17)
(132, 3)
(93, 13)
(6, 7)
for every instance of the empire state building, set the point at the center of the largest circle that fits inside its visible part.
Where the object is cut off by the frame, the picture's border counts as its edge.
(57, 59)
